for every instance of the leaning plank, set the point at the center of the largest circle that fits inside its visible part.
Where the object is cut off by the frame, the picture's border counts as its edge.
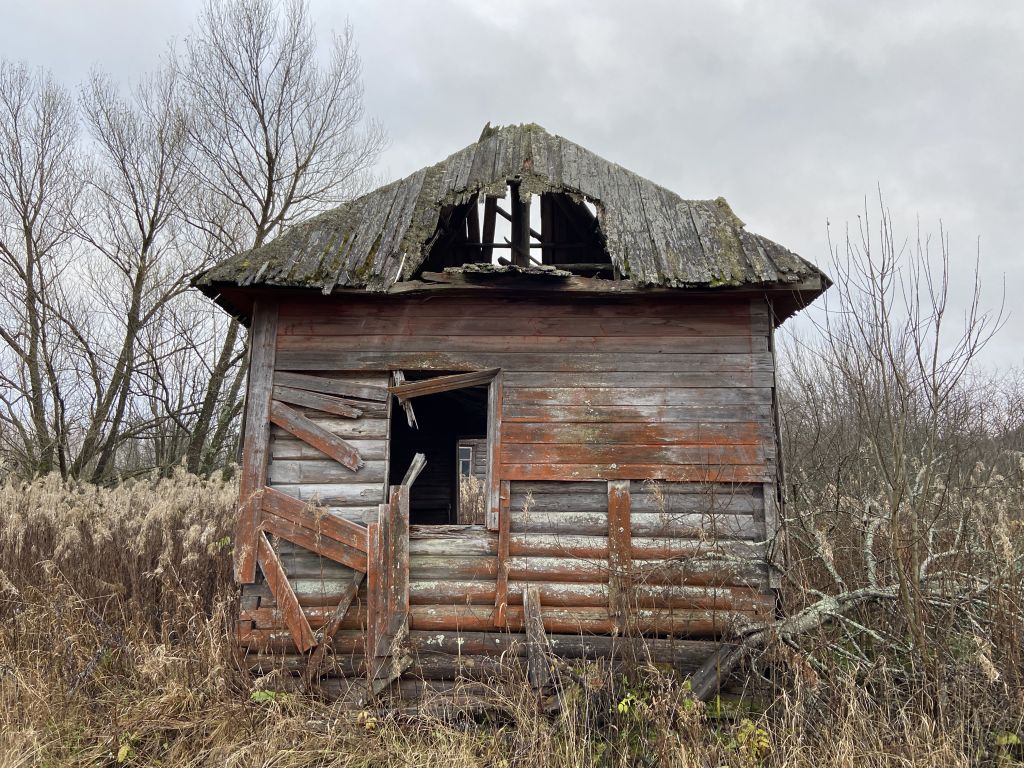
(312, 433)
(417, 465)
(398, 589)
(537, 672)
(277, 580)
(256, 442)
(442, 384)
(317, 520)
(325, 635)
(374, 573)
(313, 541)
(320, 402)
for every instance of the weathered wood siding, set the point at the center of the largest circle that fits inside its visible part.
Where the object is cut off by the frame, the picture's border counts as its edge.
(670, 400)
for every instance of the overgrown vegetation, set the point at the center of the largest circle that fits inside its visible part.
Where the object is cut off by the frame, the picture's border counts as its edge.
(904, 599)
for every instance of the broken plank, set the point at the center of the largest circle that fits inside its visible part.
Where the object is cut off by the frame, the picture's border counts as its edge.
(325, 385)
(406, 390)
(314, 518)
(317, 401)
(294, 422)
(277, 580)
(326, 634)
(313, 541)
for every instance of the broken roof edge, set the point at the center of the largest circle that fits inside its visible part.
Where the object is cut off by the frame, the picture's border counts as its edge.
(384, 237)
(786, 299)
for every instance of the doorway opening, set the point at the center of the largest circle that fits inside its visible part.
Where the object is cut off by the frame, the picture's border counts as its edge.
(451, 432)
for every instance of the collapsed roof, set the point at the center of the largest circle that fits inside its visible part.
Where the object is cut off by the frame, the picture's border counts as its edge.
(653, 237)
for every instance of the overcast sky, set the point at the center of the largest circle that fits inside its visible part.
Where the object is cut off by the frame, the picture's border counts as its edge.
(793, 111)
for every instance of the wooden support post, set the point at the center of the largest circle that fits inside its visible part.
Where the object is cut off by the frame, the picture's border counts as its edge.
(520, 227)
(473, 221)
(256, 444)
(495, 395)
(537, 670)
(490, 210)
(620, 553)
(504, 525)
(287, 602)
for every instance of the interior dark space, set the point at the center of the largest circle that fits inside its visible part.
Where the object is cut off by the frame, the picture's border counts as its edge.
(443, 419)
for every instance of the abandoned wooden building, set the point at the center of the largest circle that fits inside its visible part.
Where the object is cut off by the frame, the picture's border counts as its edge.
(522, 396)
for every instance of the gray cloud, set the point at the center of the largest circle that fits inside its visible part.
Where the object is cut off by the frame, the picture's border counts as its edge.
(794, 111)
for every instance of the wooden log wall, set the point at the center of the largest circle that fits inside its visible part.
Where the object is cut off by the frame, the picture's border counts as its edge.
(669, 403)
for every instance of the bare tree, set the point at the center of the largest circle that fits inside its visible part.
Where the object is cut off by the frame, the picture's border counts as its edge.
(277, 137)
(40, 190)
(896, 517)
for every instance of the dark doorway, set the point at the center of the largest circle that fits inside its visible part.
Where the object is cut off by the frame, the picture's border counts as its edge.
(444, 419)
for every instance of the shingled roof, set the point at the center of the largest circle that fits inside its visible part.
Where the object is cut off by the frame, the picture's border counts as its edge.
(653, 236)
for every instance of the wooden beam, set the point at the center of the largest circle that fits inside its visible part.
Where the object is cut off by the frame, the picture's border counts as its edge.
(326, 634)
(287, 602)
(473, 221)
(313, 434)
(328, 386)
(495, 407)
(508, 217)
(537, 669)
(404, 391)
(619, 553)
(520, 227)
(490, 208)
(256, 443)
(504, 533)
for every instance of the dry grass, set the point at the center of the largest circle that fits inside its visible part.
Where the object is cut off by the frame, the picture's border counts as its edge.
(115, 605)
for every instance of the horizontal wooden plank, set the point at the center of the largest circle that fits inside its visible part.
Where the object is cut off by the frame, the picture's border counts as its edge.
(284, 446)
(328, 385)
(340, 495)
(614, 471)
(692, 525)
(284, 471)
(662, 380)
(346, 428)
(653, 497)
(641, 414)
(339, 345)
(677, 305)
(685, 434)
(596, 452)
(445, 359)
(638, 396)
(722, 323)
(572, 546)
(310, 432)
(651, 572)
